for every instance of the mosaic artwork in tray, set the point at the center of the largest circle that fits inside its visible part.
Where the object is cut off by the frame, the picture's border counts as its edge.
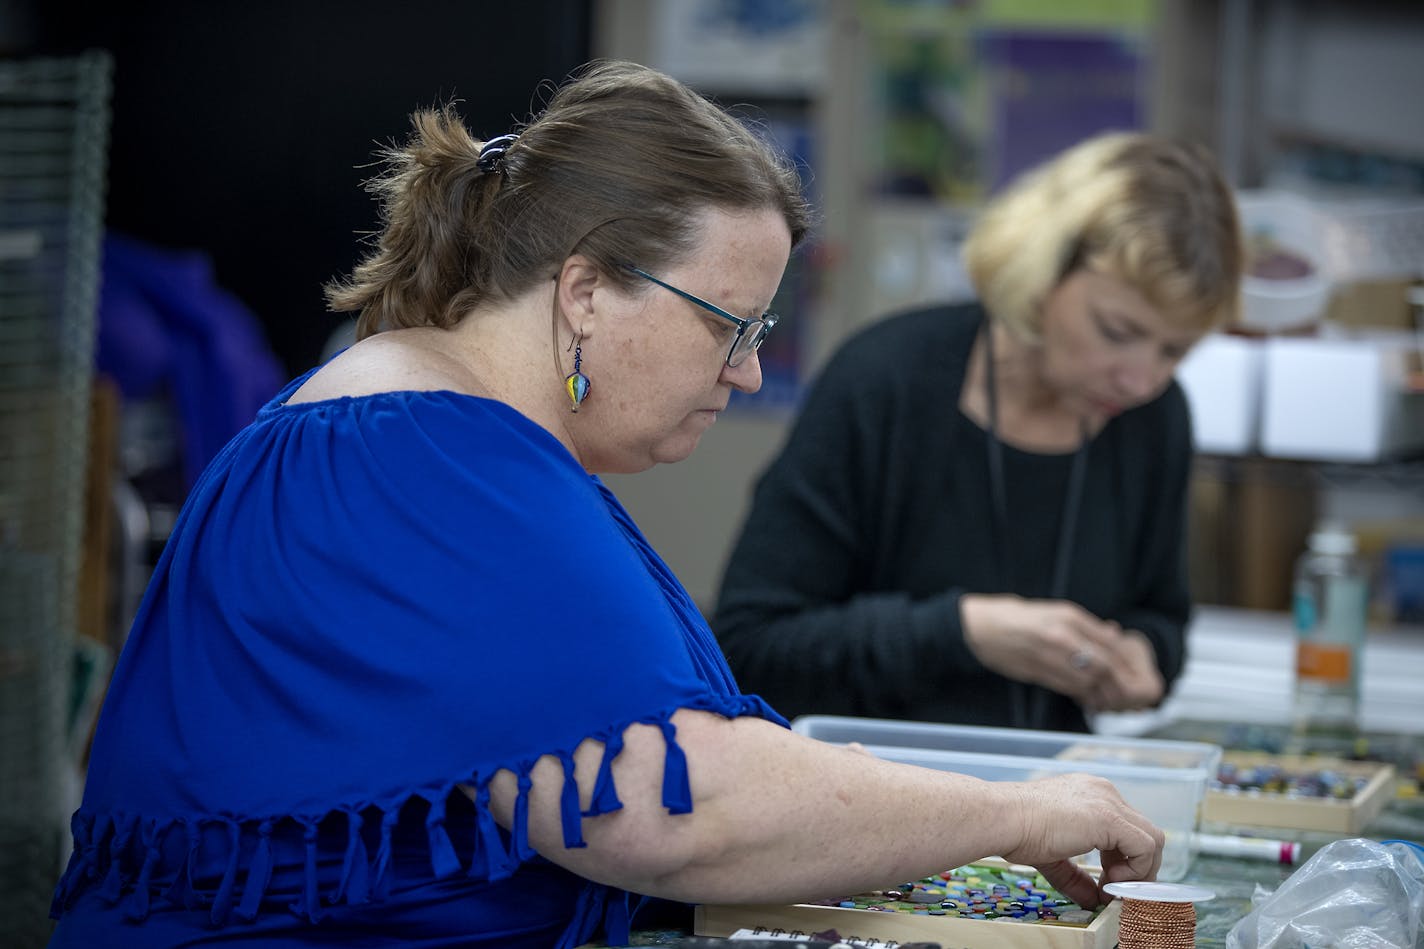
(1299, 792)
(990, 904)
(975, 892)
(1271, 778)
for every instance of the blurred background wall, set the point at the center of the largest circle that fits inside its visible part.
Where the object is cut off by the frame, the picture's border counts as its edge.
(241, 129)
(240, 132)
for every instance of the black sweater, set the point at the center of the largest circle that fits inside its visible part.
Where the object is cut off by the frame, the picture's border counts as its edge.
(842, 593)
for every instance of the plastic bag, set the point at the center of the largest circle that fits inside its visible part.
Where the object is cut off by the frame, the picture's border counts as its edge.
(1353, 894)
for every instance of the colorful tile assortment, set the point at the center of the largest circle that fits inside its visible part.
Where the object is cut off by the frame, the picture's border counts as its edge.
(976, 892)
(1273, 779)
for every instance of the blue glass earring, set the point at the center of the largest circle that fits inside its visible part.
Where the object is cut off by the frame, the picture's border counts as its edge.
(576, 384)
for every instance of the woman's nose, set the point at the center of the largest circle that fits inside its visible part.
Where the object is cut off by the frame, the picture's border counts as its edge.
(1140, 381)
(745, 376)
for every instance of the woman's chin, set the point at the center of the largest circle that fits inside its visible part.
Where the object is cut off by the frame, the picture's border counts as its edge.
(677, 449)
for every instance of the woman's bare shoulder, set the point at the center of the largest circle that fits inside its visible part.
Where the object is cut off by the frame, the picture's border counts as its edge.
(386, 362)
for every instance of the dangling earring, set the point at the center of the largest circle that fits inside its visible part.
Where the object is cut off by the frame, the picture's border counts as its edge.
(576, 384)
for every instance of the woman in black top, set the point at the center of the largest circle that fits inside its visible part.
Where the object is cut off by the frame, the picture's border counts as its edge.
(979, 516)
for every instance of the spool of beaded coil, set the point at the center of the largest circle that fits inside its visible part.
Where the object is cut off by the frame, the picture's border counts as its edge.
(1158, 915)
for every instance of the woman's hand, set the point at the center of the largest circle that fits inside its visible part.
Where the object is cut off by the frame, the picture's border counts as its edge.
(1072, 814)
(1135, 682)
(1052, 643)
(1061, 646)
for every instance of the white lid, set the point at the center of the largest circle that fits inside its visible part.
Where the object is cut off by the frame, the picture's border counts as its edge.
(1160, 892)
(1332, 539)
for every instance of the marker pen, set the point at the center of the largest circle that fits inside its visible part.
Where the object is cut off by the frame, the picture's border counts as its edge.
(1219, 845)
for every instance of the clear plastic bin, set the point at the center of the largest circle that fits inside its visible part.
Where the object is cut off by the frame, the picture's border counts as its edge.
(1165, 780)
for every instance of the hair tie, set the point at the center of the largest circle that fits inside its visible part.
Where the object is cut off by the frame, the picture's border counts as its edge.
(492, 154)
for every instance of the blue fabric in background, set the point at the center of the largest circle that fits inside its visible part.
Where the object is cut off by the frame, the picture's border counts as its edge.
(165, 326)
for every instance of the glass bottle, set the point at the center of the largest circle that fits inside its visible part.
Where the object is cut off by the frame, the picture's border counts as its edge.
(1330, 603)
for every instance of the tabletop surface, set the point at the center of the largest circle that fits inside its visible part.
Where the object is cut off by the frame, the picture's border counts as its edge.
(1234, 880)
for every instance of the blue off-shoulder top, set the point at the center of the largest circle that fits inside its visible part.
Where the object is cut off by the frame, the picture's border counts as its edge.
(369, 605)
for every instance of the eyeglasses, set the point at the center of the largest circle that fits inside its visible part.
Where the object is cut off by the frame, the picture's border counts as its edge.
(750, 333)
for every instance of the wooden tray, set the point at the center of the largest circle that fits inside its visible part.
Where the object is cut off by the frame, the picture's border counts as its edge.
(863, 927)
(874, 929)
(1262, 809)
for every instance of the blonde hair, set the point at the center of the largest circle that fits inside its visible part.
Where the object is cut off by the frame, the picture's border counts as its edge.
(1153, 212)
(616, 167)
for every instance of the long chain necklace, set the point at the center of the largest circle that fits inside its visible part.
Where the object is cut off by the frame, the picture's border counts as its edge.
(1028, 700)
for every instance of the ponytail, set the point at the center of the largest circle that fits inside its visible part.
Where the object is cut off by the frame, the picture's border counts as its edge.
(617, 168)
(434, 196)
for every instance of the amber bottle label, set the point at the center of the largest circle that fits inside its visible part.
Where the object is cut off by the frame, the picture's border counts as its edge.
(1323, 662)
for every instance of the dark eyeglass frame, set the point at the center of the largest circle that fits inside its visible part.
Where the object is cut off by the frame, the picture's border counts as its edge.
(759, 327)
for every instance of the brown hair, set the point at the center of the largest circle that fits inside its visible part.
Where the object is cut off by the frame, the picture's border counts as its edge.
(1151, 211)
(616, 167)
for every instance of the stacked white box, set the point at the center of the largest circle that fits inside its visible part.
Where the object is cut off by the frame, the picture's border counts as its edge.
(1221, 377)
(1340, 399)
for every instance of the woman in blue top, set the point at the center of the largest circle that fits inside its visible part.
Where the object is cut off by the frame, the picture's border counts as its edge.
(408, 674)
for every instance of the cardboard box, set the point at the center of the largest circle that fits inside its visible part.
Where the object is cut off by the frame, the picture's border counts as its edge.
(1250, 518)
(1375, 304)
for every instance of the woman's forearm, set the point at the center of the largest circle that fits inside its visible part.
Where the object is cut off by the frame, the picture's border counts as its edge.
(778, 817)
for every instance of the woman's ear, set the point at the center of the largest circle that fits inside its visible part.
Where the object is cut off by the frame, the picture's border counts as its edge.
(574, 294)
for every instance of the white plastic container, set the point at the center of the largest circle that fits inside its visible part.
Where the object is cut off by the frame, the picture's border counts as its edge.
(1297, 227)
(1165, 780)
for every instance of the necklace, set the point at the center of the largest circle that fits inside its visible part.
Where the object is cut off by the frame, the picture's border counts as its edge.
(1028, 700)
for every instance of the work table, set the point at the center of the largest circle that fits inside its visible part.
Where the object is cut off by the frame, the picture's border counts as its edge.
(1240, 663)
